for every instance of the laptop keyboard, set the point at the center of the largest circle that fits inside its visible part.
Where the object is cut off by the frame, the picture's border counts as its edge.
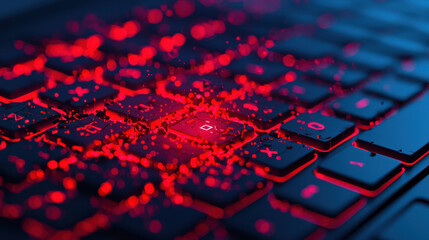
(215, 120)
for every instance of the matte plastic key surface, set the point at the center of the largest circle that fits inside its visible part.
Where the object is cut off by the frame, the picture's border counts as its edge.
(69, 67)
(305, 47)
(277, 157)
(266, 220)
(318, 201)
(415, 69)
(149, 109)
(135, 77)
(158, 219)
(79, 95)
(362, 108)
(345, 77)
(87, 131)
(321, 132)
(303, 93)
(18, 159)
(394, 88)
(402, 136)
(260, 111)
(409, 224)
(20, 85)
(25, 119)
(360, 171)
(207, 129)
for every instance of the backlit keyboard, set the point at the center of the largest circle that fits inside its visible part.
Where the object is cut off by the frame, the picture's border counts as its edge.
(206, 119)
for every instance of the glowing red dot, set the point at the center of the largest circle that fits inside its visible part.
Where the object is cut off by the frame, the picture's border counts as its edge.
(263, 226)
(184, 8)
(198, 32)
(155, 226)
(56, 196)
(154, 16)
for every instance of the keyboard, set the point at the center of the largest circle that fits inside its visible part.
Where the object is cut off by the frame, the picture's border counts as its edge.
(205, 119)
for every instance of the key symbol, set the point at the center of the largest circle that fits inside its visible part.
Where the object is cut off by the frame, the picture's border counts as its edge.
(206, 127)
(316, 126)
(356, 163)
(89, 128)
(15, 117)
(309, 191)
(268, 152)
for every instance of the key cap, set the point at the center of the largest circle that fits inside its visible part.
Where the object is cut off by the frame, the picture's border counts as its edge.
(415, 70)
(10, 56)
(396, 46)
(263, 113)
(305, 47)
(113, 179)
(227, 188)
(363, 109)
(321, 132)
(400, 136)
(265, 220)
(361, 171)
(202, 88)
(303, 93)
(368, 59)
(132, 45)
(277, 159)
(135, 77)
(343, 33)
(18, 159)
(78, 96)
(71, 67)
(346, 78)
(258, 70)
(25, 119)
(158, 219)
(164, 150)
(151, 110)
(52, 205)
(208, 130)
(220, 43)
(394, 88)
(86, 132)
(318, 201)
(186, 57)
(410, 224)
(20, 85)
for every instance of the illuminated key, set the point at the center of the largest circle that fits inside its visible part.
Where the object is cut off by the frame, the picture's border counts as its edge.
(318, 201)
(149, 109)
(321, 132)
(206, 129)
(276, 158)
(25, 119)
(86, 132)
(303, 93)
(263, 113)
(78, 96)
(360, 171)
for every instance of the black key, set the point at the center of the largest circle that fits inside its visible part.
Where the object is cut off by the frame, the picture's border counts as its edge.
(343, 33)
(345, 77)
(396, 46)
(415, 70)
(259, 70)
(401, 136)
(368, 59)
(159, 219)
(277, 159)
(18, 159)
(79, 95)
(305, 47)
(135, 77)
(52, 204)
(21, 85)
(202, 89)
(186, 57)
(25, 119)
(132, 45)
(10, 55)
(364, 109)
(410, 224)
(318, 201)
(228, 188)
(209, 130)
(151, 110)
(394, 88)
(113, 179)
(265, 220)
(72, 66)
(303, 93)
(321, 132)
(368, 174)
(264, 113)
(165, 150)
(86, 132)
(220, 43)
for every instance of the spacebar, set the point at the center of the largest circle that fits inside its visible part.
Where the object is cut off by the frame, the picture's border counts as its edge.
(404, 136)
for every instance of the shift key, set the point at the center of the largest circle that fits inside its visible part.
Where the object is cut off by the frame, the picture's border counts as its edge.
(404, 136)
